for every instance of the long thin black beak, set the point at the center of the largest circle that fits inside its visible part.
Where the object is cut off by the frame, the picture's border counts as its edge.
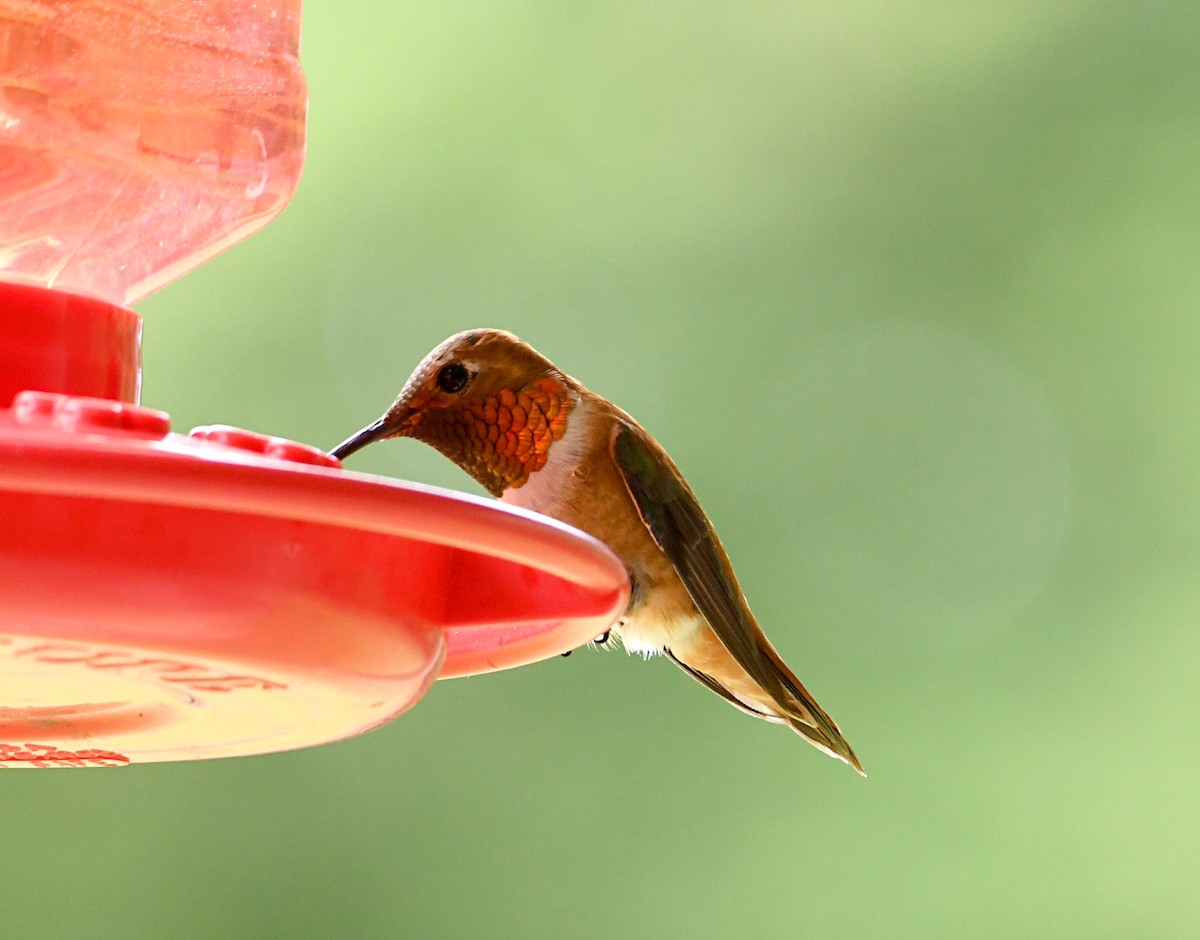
(368, 435)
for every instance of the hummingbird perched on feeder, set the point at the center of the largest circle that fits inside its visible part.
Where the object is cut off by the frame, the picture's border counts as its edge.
(537, 438)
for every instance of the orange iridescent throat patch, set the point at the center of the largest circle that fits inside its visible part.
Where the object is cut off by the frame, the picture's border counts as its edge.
(502, 438)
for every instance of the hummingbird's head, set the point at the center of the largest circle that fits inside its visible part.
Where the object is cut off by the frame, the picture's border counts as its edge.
(486, 400)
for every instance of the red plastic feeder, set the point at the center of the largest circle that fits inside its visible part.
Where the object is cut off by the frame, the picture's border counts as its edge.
(167, 597)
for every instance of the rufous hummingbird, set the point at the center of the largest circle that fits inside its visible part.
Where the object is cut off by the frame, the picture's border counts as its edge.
(537, 438)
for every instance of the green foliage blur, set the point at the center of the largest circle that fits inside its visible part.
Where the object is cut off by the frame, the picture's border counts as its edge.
(910, 292)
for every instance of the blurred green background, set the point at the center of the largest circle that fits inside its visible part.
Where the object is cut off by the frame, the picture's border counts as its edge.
(910, 292)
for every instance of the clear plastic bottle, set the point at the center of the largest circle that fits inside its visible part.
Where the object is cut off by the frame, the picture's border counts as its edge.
(138, 138)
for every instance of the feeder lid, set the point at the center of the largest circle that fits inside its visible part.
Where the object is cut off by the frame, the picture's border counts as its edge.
(166, 597)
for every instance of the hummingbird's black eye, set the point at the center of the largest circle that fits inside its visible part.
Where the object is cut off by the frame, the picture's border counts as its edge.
(453, 377)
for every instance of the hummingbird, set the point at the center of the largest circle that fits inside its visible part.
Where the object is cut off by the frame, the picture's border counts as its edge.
(535, 437)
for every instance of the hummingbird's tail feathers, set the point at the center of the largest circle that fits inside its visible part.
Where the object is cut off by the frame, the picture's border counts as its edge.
(732, 697)
(801, 711)
(834, 745)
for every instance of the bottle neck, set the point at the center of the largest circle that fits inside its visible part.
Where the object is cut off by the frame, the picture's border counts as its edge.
(53, 341)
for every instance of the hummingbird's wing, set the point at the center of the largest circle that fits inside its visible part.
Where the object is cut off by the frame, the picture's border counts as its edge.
(673, 515)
